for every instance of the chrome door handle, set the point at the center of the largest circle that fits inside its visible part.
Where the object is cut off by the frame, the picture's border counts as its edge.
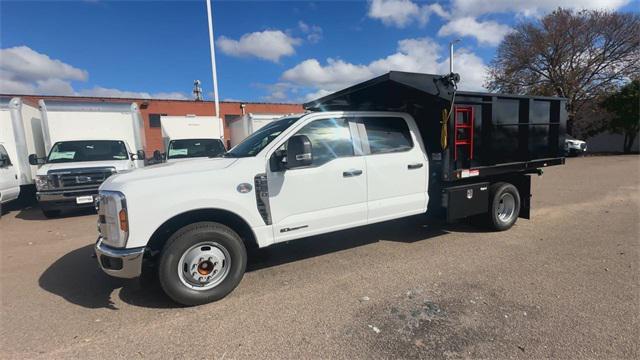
(350, 173)
(414, 166)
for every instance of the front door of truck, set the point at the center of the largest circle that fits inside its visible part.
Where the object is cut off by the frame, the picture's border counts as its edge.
(328, 195)
(9, 183)
(397, 168)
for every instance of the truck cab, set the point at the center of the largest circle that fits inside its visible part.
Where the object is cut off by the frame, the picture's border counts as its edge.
(298, 176)
(9, 183)
(189, 137)
(185, 149)
(86, 143)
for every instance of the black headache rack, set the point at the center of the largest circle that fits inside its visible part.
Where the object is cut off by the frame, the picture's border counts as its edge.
(482, 137)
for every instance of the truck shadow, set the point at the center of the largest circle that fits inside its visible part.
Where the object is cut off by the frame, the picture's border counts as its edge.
(77, 278)
(33, 212)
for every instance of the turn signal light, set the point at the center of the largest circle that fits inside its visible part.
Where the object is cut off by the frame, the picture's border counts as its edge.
(124, 222)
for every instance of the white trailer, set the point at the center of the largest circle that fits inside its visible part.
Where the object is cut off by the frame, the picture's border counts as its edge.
(243, 126)
(20, 135)
(190, 136)
(86, 143)
(21, 129)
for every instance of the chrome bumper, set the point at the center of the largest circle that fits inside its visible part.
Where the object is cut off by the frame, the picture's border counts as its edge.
(122, 263)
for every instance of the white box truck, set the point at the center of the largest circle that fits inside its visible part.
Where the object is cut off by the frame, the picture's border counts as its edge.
(188, 137)
(86, 143)
(245, 125)
(20, 135)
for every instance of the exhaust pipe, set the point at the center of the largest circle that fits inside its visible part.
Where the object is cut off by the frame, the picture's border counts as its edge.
(451, 54)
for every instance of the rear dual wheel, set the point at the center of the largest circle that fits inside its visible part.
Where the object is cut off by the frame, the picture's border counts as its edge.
(201, 263)
(504, 206)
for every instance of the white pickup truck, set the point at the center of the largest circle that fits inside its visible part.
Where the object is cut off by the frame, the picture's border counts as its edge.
(297, 176)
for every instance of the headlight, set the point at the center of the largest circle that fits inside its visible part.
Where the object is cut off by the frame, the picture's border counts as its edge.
(113, 219)
(42, 182)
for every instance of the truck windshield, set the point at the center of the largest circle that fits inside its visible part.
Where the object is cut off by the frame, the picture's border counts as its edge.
(191, 148)
(257, 141)
(87, 150)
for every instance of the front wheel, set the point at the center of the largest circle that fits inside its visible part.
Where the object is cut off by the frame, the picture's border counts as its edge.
(201, 263)
(504, 206)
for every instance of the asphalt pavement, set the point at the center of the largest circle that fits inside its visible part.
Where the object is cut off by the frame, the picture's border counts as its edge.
(564, 284)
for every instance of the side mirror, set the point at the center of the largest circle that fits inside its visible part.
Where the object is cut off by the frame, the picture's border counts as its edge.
(35, 160)
(298, 152)
(157, 155)
(141, 155)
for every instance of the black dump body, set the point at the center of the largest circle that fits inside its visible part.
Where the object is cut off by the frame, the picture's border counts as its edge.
(511, 133)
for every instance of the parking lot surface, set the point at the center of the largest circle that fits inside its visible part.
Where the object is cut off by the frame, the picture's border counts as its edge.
(562, 285)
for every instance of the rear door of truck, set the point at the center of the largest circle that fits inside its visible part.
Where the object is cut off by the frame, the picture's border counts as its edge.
(397, 167)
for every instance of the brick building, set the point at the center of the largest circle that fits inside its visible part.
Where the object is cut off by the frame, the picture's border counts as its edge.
(152, 109)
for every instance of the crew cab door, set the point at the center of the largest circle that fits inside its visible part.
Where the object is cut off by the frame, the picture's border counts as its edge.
(329, 194)
(397, 167)
(9, 183)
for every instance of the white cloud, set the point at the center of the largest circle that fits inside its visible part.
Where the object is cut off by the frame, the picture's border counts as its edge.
(269, 45)
(487, 32)
(22, 63)
(528, 7)
(99, 91)
(316, 95)
(28, 72)
(399, 13)
(280, 91)
(54, 87)
(313, 32)
(414, 55)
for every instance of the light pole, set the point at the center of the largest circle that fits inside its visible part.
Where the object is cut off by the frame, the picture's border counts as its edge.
(213, 68)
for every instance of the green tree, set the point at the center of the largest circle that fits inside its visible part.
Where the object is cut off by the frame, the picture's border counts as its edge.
(576, 55)
(624, 105)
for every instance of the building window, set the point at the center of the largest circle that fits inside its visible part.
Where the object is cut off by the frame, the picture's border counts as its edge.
(154, 120)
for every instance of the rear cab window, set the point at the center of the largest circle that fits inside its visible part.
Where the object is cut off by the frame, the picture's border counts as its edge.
(387, 134)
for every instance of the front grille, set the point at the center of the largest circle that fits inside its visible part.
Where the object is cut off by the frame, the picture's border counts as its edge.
(76, 178)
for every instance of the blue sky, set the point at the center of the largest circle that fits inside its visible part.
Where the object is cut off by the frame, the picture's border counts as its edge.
(285, 51)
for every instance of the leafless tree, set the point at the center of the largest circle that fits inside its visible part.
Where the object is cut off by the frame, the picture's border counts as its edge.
(577, 55)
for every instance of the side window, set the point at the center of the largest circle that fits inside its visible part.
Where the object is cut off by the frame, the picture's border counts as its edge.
(5, 155)
(330, 139)
(387, 134)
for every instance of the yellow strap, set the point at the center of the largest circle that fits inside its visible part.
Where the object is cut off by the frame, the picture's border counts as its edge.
(444, 131)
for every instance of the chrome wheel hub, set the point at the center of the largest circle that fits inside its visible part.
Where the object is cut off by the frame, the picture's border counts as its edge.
(204, 265)
(506, 207)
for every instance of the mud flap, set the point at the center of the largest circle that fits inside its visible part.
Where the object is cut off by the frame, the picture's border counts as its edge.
(523, 184)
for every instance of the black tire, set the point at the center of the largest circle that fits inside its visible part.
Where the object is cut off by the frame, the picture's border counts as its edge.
(498, 193)
(186, 238)
(50, 214)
